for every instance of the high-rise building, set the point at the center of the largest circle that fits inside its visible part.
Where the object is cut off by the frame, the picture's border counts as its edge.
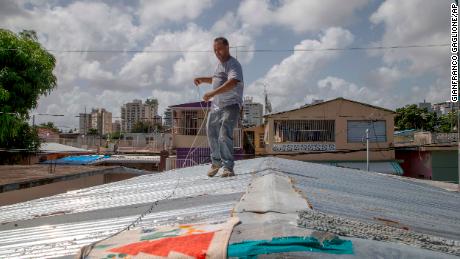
(167, 118)
(116, 126)
(252, 112)
(101, 120)
(84, 123)
(137, 111)
(425, 105)
(98, 119)
(445, 107)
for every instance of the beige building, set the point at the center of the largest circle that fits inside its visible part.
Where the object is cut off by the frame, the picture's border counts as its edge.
(333, 131)
(189, 138)
(189, 120)
(101, 120)
(116, 126)
(252, 112)
(137, 111)
(84, 123)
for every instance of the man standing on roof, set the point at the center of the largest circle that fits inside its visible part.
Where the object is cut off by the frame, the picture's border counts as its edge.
(227, 95)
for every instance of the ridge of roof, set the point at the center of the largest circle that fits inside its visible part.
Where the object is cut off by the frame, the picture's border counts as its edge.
(328, 101)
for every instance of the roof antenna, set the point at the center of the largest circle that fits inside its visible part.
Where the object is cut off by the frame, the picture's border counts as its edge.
(268, 105)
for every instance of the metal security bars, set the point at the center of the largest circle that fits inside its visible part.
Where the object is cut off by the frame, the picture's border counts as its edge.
(304, 131)
(187, 122)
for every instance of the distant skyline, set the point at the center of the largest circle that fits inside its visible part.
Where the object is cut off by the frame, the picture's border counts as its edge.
(107, 79)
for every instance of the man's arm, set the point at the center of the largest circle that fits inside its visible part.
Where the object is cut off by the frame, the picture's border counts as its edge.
(201, 80)
(227, 86)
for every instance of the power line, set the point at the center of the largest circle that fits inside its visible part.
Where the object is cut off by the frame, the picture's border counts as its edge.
(247, 51)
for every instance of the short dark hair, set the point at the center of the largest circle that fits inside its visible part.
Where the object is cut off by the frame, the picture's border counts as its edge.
(222, 40)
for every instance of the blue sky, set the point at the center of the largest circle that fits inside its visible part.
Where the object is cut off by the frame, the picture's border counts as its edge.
(387, 78)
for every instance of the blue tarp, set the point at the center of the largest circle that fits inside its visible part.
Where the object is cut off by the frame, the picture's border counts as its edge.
(76, 160)
(403, 132)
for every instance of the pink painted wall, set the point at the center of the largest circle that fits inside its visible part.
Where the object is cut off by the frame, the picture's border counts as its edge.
(416, 164)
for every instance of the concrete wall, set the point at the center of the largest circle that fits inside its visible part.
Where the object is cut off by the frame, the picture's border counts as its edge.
(45, 190)
(445, 165)
(416, 164)
(438, 165)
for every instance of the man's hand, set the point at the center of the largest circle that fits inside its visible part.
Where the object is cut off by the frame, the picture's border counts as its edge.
(197, 81)
(207, 96)
(200, 80)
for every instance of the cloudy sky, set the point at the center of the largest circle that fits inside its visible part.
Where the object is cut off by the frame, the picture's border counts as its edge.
(105, 77)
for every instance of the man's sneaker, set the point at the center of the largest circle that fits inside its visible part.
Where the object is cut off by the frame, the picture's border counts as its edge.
(213, 170)
(228, 173)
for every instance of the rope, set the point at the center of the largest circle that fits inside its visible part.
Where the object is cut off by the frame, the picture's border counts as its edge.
(87, 251)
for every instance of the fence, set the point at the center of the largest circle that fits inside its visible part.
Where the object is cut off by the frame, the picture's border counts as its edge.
(131, 142)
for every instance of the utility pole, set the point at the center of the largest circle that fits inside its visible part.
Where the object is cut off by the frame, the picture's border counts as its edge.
(367, 149)
(236, 50)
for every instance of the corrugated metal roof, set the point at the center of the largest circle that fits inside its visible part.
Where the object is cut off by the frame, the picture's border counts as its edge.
(61, 224)
(51, 147)
(386, 167)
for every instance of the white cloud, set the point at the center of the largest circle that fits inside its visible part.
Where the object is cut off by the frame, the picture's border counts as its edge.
(108, 79)
(93, 70)
(333, 87)
(153, 13)
(386, 77)
(290, 80)
(299, 15)
(179, 69)
(415, 22)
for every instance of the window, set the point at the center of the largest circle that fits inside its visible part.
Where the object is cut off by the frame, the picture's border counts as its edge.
(356, 131)
(304, 130)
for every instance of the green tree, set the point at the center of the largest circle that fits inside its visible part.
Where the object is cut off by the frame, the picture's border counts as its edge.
(448, 122)
(412, 117)
(92, 131)
(116, 135)
(141, 127)
(152, 102)
(26, 73)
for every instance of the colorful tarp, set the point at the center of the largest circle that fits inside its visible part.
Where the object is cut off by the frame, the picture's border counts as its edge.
(197, 241)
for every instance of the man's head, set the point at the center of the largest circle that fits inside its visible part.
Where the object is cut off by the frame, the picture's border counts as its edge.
(221, 49)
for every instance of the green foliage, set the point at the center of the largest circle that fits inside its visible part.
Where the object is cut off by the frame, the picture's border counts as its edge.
(92, 131)
(26, 138)
(26, 73)
(153, 102)
(448, 122)
(140, 127)
(412, 117)
(146, 127)
(116, 135)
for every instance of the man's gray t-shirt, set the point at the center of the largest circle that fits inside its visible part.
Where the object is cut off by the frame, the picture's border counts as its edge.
(225, 71)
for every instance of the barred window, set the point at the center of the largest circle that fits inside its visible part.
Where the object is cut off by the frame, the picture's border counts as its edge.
(304, 130)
